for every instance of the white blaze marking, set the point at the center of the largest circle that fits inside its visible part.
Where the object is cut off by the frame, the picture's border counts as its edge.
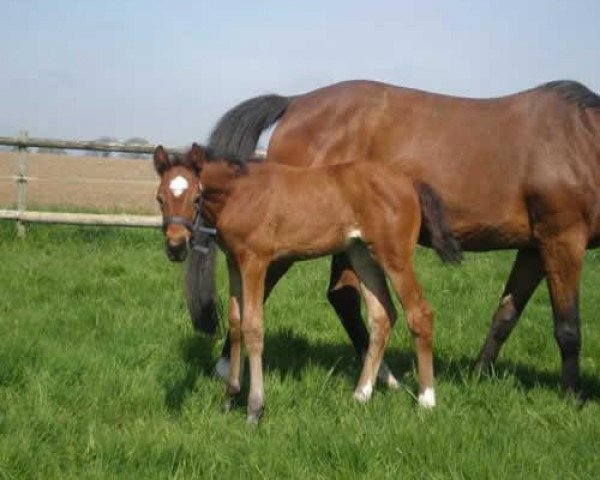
(427, 398)
(178, 185)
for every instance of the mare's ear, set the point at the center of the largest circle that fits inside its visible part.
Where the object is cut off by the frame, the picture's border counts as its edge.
(196, 157)
(161, 160)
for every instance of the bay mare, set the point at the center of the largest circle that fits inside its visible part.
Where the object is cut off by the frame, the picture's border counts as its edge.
(266, 213)
(515, 172)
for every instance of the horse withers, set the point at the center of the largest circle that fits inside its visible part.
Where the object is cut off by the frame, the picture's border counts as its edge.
(268, 215)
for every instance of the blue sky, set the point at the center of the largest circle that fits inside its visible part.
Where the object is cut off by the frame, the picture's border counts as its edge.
(166, 70)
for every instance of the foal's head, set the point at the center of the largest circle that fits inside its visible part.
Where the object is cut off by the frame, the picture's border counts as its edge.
(178, 195)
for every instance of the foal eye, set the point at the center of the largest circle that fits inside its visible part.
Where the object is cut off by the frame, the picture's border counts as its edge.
(160, 200)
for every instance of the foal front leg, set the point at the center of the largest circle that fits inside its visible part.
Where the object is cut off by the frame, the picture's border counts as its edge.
(275, 271)
(235, 337)
(253, 272)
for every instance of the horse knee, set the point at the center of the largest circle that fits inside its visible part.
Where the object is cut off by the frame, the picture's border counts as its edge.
(505, 318)
(253, 338)
(420, 322)
(569, 339)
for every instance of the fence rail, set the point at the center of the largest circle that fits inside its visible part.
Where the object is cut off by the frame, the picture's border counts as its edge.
(22, 216)
(24, 142)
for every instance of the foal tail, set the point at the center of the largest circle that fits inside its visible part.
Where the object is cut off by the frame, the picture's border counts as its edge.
(434, 217)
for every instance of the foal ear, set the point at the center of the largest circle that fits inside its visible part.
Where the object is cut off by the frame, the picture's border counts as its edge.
(196, 156)
(161, 160)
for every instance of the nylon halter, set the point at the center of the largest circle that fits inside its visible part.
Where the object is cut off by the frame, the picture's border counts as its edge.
(199, 232)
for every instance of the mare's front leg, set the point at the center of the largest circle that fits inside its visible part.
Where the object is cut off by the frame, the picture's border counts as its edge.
(253, 271)
(276, 270)
(381, 314)
(344, 296)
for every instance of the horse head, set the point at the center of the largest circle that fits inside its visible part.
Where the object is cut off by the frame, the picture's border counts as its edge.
(178, 195)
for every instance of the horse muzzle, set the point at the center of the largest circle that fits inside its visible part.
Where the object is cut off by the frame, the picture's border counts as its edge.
(176, 250)
(177, 237)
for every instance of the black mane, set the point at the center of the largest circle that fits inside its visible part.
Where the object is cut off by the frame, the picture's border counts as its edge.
(180, 159)
(574, 92)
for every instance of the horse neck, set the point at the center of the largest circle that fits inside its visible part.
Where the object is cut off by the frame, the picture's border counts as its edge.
(217, 183)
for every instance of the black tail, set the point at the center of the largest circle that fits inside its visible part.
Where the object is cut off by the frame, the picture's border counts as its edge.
(434, 218)
(237, 131)
(236, 135)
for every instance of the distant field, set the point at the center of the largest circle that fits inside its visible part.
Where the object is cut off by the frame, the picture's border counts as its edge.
(101, 376)
(96, 183)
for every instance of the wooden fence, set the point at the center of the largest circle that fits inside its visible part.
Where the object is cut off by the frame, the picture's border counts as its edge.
(23, 216)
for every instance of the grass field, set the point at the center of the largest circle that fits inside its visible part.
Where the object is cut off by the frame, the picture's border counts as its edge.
(101, 376)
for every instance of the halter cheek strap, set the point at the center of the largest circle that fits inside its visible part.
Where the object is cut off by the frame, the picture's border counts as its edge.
(197, 229)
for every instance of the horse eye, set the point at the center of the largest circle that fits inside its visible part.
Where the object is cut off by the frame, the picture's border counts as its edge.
(160, 200)
(197, 199)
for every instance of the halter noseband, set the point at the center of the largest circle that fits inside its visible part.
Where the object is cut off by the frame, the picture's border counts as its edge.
(197, 229)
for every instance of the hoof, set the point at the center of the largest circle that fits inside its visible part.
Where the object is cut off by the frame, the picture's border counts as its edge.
(253, 418)
(222, 368)
(363, 394)
(385, 376)
(427, 398)
(228, 404)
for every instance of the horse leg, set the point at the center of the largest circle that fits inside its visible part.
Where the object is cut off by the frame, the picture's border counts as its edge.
(525, 276)
(234, 337)
(343, 295)
(253, 272)
(419, 316)
(381, 314)
(563, 259)
(274, 273)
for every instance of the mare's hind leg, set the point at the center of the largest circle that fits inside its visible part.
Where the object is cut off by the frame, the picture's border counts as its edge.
(275, 272)
(382, 316)
(563, 259)
(525, 276)
(344, 296)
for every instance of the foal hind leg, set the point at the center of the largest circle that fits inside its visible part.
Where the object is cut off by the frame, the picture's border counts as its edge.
(419, 317)
(525, 276)
(344, 296)
(382, 316)
(563, 258)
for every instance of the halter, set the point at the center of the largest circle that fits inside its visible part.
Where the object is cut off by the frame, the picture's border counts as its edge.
(197, 229)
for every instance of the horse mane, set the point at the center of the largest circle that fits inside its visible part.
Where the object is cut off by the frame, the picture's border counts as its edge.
(574, 92)
(181, 159)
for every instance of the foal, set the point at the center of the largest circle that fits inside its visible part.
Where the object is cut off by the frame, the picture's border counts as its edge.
(266, 212)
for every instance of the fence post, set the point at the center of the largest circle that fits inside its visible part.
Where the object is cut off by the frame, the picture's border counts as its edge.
(22, 181)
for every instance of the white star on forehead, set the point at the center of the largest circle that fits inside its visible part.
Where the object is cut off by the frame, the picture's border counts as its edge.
(178, 185)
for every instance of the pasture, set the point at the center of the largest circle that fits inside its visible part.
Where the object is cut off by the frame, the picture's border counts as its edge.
(101, 375)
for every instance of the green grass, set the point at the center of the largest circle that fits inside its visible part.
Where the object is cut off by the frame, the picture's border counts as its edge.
(101, 375)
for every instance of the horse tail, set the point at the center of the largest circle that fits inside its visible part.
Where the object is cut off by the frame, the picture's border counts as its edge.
(434, 218)
(236, 134)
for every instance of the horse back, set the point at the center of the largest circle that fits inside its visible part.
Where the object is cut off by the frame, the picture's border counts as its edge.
(485, 157)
